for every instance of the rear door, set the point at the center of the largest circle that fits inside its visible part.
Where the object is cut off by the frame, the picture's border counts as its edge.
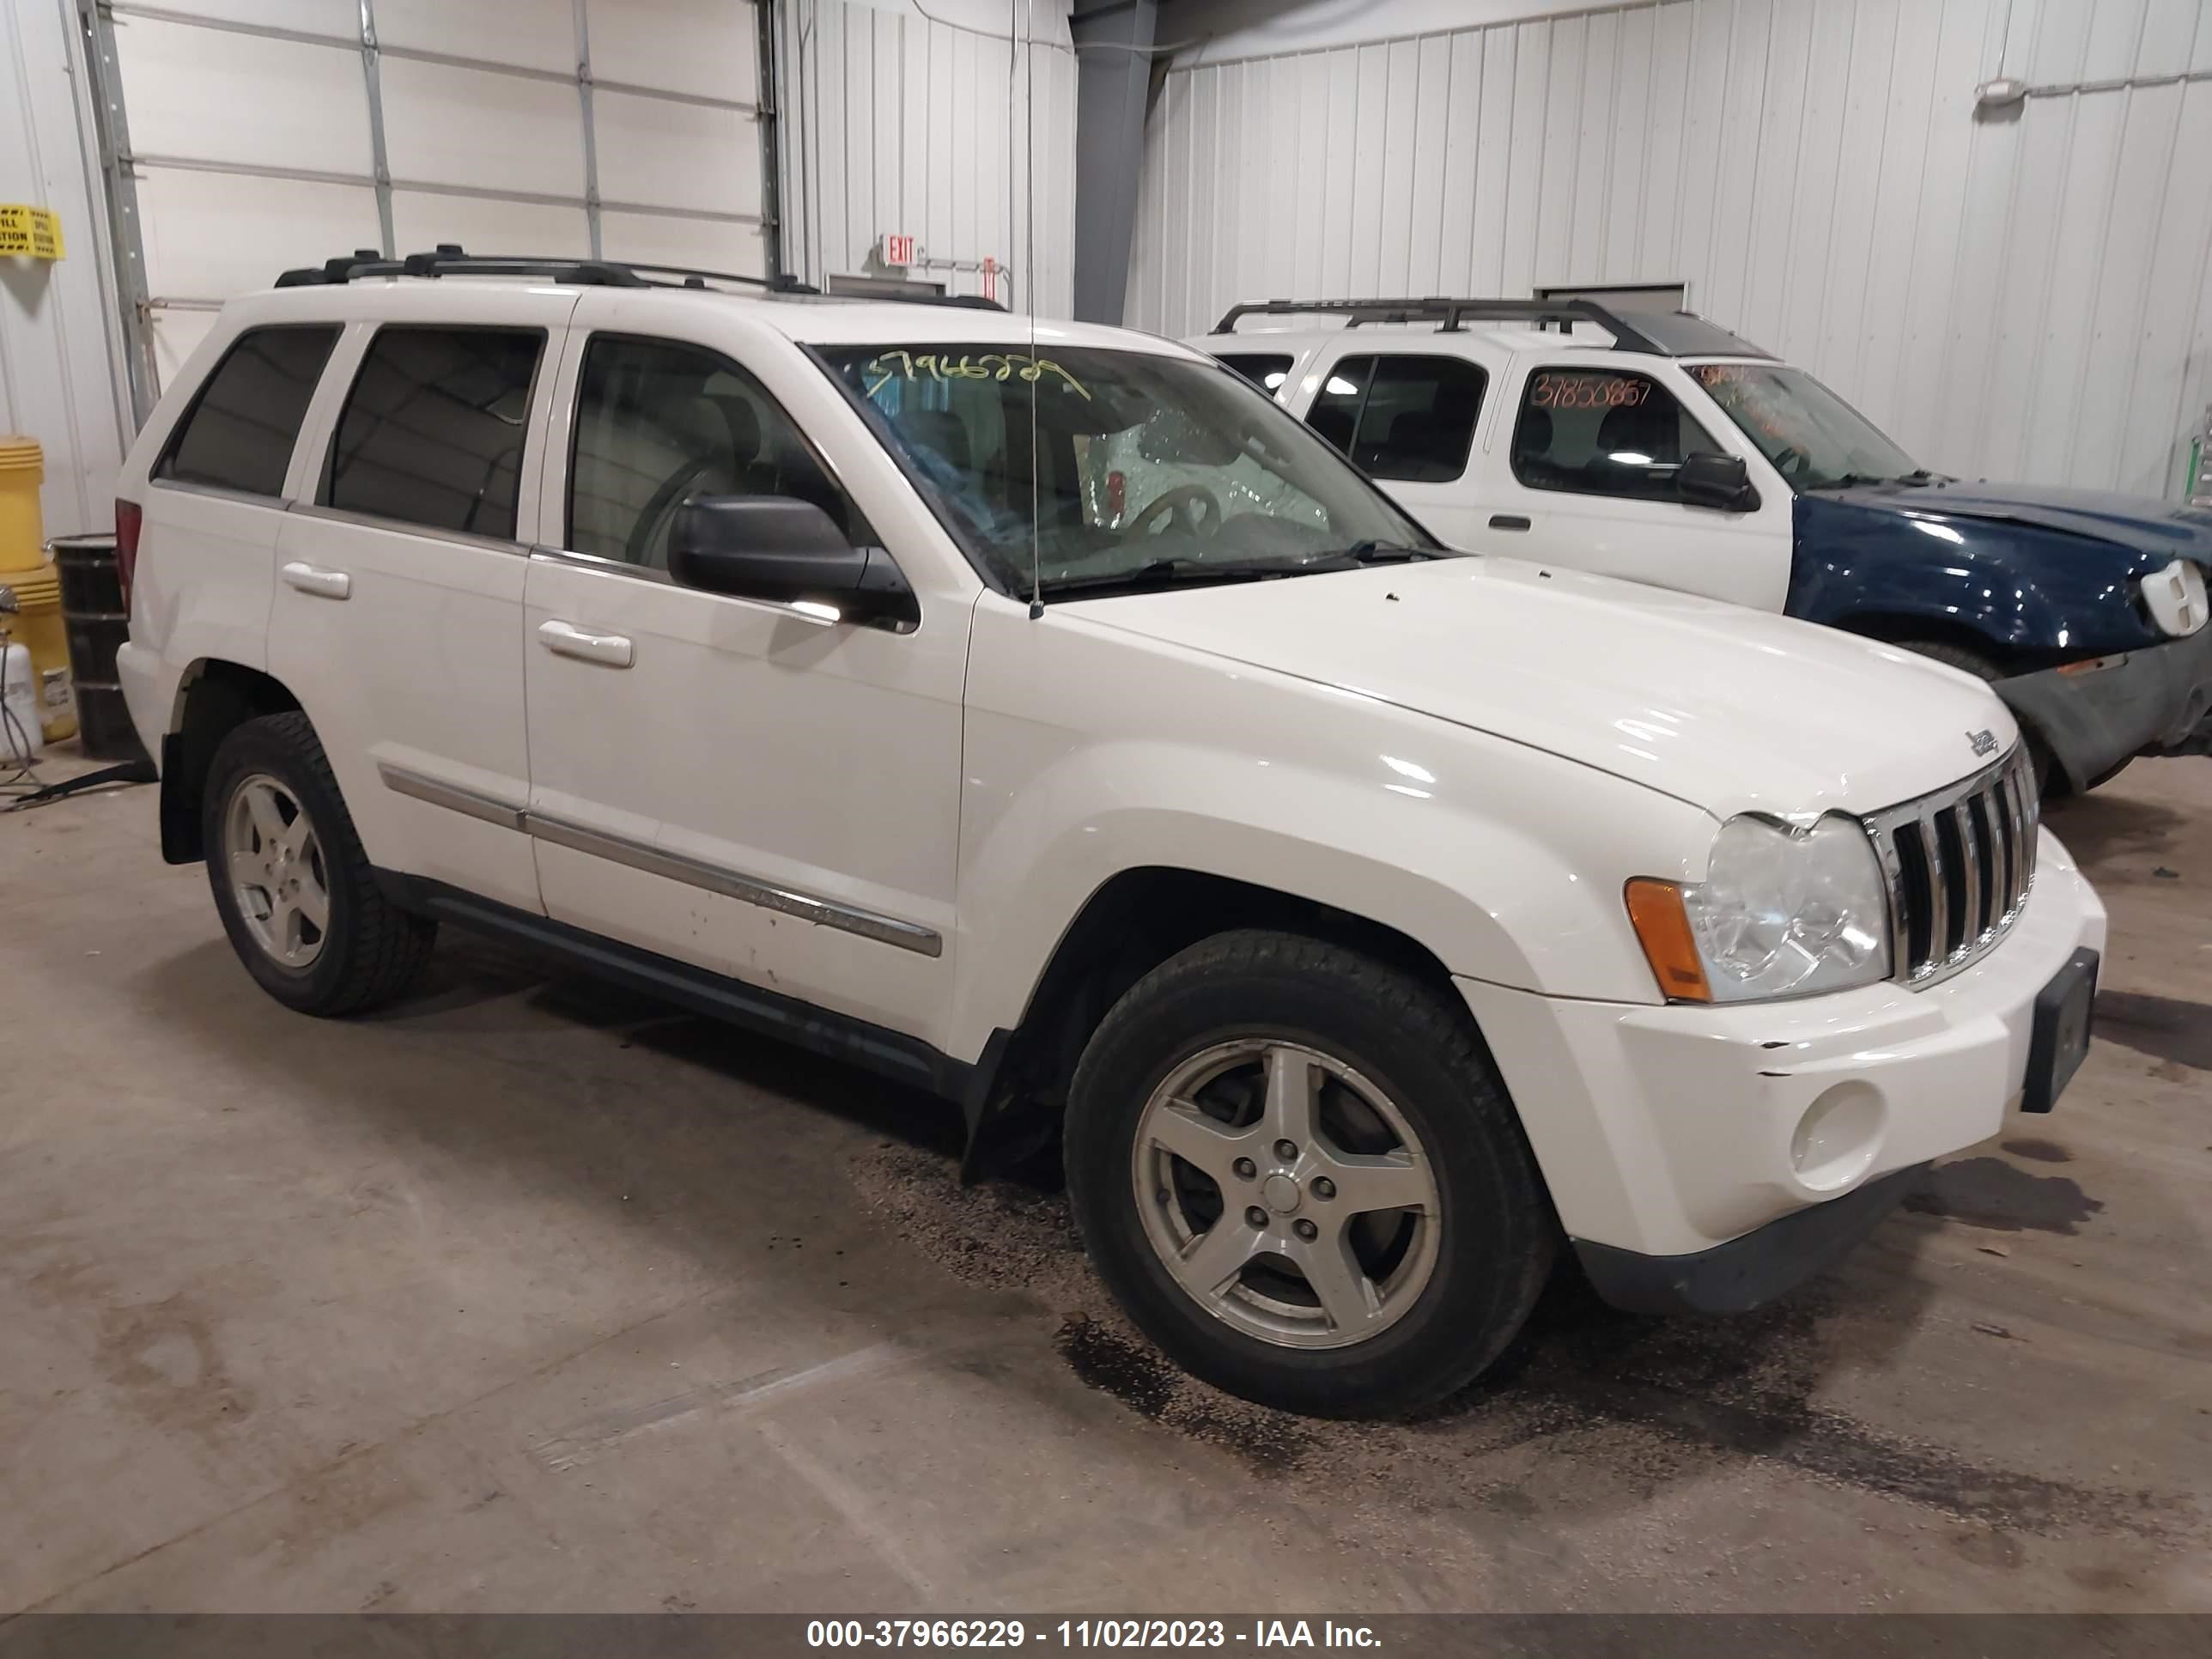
(1579, 471)
(397, 618)
(1407, 418)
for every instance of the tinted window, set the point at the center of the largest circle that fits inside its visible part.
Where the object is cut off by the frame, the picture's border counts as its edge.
(432, 431)
(239, 431)
(1335, 411)
(1603, 432)
(1406, 418)
(1265, 369)
(658, 424)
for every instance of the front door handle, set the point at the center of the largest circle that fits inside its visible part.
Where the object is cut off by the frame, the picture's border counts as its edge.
(1508, 521)
(323, 584)
(565, 640)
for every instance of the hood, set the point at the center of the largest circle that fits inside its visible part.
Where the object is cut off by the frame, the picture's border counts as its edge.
(1729, 709)
(2162, 531)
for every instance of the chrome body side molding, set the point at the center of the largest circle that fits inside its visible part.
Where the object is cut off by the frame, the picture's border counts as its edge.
(659, 861)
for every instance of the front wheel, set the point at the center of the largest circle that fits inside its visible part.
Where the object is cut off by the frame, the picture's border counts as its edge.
(1294, 1168)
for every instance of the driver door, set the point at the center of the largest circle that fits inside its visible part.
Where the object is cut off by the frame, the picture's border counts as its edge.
(732, 783)
(1586, 480)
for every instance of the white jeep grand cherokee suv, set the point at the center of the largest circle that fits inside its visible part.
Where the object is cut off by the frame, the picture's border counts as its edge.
(1370, 919)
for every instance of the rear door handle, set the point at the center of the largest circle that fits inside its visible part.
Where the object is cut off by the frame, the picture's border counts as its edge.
(565, 640)
(323, 584)
(1508, 521)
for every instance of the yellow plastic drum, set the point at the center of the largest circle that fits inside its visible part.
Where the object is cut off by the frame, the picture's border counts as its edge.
(23, 567)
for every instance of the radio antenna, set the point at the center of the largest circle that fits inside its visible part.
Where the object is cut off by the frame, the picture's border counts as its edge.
(1029, 274)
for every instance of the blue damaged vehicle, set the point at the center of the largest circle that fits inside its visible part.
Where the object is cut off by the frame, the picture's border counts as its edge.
(1658, 446)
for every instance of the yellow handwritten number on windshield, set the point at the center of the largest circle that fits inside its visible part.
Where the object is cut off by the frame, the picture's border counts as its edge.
(880, 371)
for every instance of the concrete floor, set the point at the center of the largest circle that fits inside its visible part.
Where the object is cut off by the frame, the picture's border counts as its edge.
(530, 1295)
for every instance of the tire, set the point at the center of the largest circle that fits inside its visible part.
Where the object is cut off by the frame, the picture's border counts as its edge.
(1439, 1291)
(2048, 781)
(352, 951)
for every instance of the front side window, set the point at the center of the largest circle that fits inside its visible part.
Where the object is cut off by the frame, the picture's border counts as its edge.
(239, 431)
(1265, 369)
(658, 422)
(1814, 438)
(1407, 417)
(1100, 464)
(432, 432)
(1603, 432)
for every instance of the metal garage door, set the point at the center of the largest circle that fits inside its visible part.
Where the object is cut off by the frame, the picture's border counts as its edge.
(255, 135)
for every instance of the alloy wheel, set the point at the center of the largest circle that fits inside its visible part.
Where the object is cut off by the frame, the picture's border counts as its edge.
(276, 871)
(1286, 1194)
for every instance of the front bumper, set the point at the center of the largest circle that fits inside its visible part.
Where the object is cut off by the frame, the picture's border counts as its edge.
(2094, 716)
(1666, 1131)
(1749, 1272)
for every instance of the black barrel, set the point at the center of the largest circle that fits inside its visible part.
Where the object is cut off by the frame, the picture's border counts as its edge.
(93, 617)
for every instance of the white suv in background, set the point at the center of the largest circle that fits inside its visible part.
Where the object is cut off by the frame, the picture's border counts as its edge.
(1372, 919)
(1658, 446)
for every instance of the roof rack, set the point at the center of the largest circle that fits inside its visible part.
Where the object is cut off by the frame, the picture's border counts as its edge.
(1664, 334)
(450, 258)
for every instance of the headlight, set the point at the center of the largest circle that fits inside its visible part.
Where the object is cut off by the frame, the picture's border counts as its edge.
(2175, 597)
(1781, 912)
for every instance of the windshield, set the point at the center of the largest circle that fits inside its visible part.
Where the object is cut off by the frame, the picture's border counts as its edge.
(1815, 440)
(1147, 466)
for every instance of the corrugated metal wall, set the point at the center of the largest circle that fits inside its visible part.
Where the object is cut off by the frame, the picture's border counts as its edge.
(265, 136)
(57, 374)
(902, 124)
(2026, 295)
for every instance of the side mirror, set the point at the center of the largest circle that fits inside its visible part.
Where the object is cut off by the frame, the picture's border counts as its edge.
(1723, 482)
(786, 551)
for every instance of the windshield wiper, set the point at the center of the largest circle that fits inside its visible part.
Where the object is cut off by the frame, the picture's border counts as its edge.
(1184, 571)
(1371, 551)
(1848, 480)
(1171, 573)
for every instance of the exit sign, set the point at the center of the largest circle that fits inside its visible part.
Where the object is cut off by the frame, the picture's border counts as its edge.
(897, 250)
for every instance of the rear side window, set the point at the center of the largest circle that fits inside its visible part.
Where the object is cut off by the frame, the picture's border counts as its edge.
(1265, 369)
(239, 431)
(1409, 417)
(432, 432)
(1603, 432)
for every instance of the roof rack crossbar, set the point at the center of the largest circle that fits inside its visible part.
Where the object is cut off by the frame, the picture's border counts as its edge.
(1450, 313)
(449, 259)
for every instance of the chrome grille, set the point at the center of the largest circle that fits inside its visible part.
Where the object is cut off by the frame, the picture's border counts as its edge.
(1959, 864)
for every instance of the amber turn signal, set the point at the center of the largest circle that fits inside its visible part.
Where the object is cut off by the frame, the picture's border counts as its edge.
(1655, 910)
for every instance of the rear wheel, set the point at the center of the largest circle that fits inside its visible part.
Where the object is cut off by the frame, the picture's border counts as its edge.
(290, 880)
(1294, 1168)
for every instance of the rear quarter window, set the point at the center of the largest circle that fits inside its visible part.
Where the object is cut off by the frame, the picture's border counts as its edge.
(239, 430)
(1265, 369)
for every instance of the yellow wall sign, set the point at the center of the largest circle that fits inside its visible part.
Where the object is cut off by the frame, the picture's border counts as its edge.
(29, 232)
